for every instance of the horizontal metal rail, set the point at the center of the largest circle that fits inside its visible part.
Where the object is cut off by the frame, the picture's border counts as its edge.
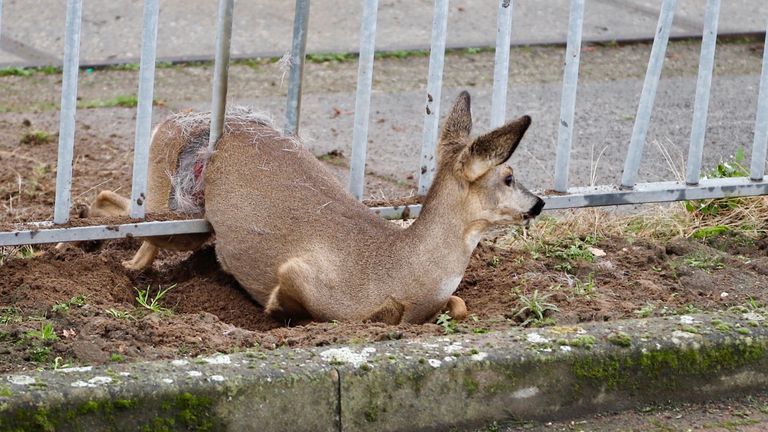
(103, 232)
(597, 196)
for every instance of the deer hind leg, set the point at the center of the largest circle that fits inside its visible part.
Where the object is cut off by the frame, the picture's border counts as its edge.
(143, 257)
(107, 203)
(456, 308)
(287, 299)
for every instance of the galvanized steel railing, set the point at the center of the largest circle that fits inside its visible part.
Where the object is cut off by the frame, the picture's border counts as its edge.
(629, 192)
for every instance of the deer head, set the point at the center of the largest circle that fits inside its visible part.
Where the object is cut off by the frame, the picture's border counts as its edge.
(474, 172)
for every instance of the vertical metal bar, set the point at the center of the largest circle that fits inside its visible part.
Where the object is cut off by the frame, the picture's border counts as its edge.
(68, 110)
(434, 89)
(296, 73)
(363, 98)
(761, 122)
(221, 70)
(568, 98)
(501, 63)
(703, 86)
(645, 107)
(144, 110)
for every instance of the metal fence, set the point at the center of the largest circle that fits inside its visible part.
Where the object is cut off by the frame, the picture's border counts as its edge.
(628, 192)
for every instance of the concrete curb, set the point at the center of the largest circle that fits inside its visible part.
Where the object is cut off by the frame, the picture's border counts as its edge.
(426, 384)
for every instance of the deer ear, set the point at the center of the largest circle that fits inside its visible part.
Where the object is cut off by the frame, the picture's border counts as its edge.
(459, 122)
(492, 149)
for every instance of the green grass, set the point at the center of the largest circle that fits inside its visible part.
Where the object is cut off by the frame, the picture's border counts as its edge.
(115, 313)
(330, 57)
(45, 334)
(402, 54)
(734, 167)
(9, 315)
(585, 289)
(645, 311)
(125, 101)
(534, 309)
(704, 262)
(25, 72)
(153, 303)
(36, 137)
(78, 300)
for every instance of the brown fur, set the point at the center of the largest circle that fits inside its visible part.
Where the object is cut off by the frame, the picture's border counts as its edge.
(302, 246)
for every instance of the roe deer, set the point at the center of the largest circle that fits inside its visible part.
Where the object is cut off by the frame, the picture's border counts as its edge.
(301, 246)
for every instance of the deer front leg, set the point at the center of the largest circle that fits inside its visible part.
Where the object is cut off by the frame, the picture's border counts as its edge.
(390, 312)
(456, 308)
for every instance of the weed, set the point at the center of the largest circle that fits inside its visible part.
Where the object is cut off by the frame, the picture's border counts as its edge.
(9, 315)
(585, 289)
(704, 262)
(16, 71)
(36, 137)
(117, 358)
(448, 324)
(145, 298)
(123, 315)
(567, 250)
(330, 57)
(78, 300)
(125, 101)
(124, 67)
(725, 169)
(753, 304)
(688, 309)
(46, 333)
(402, 54)
(39, 172)
(494, 261)
(39, 354)
(58, 363)
(534, 308)
(60, 308)
(645, 311)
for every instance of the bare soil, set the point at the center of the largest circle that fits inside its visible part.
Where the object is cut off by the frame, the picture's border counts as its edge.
(88, 301)
(79, 305)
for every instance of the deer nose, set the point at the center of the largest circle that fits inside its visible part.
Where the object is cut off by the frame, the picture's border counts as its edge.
(536, 209)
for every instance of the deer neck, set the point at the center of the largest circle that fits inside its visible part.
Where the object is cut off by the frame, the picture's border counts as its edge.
(444, 228)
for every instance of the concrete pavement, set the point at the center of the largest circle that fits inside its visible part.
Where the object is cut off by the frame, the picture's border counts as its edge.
(32, 31)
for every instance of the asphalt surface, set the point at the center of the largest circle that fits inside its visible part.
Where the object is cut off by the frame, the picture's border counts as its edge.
(32, 32)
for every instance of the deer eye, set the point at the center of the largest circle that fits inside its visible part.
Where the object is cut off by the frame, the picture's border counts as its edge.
(508, 180)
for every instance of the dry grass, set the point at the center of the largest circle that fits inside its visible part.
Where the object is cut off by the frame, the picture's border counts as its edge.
(747, 216)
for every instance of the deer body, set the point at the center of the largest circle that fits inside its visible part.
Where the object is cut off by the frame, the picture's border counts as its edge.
(301, 246)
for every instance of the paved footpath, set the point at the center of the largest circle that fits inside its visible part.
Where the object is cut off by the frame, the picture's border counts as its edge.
(32, 31)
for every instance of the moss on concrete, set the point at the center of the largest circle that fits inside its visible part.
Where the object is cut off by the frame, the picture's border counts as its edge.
(666, 367)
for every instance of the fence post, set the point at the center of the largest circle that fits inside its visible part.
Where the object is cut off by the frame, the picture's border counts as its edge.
(363, 98)
(434, 90)
(568, 99)
(501, 63)
(645, 107)
(757, 167)
(221, 70)
(296, 73)
(71, 67)
(144, 110)
(703, 86)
